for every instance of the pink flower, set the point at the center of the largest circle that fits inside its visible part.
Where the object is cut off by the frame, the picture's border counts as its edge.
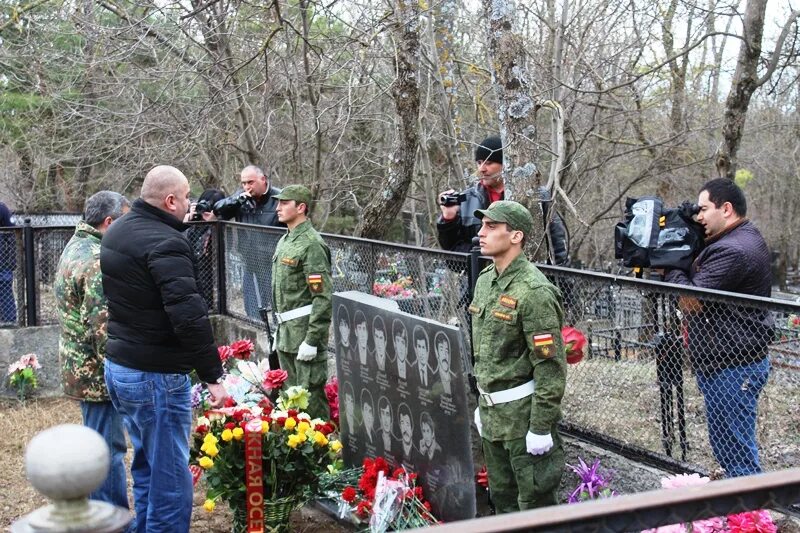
(242, 349)
(224, 352)
(674, 528)
(30, 360)
(274, 379)
(683, 480)
(709, 525)
(752, 522)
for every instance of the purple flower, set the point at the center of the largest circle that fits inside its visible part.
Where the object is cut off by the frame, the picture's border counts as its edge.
(592, 484)
(196, 390)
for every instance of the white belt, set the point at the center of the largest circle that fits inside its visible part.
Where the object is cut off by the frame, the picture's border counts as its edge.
(508, 395)
(294, 313)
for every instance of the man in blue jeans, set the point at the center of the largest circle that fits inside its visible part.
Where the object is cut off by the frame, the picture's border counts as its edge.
(82, 316)
(728, 344)
(158, 332)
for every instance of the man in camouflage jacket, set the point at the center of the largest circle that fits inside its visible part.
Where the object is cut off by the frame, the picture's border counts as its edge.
(520, 365)
(83, 316)
(301, 295)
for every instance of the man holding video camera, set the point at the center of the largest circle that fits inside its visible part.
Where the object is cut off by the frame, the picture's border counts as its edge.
(254, 203)
(728, 343)
(457, 225)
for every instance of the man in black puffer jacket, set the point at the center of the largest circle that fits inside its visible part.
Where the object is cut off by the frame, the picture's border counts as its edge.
(158, 332)
(728, 343)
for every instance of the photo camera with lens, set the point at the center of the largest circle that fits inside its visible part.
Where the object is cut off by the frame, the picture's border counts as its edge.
(448, 200)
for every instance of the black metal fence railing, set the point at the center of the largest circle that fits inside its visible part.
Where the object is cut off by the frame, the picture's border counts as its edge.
(636, 391)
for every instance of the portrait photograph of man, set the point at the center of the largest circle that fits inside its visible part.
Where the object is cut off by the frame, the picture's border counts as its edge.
(379, 340)
(422, 353)
(400, 338)
(362, 336)
(441, 345)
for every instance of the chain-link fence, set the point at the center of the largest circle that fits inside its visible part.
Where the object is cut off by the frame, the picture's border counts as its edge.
(651, 382)
(46, 219)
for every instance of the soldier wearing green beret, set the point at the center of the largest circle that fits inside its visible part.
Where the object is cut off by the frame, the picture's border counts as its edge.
(520, 364)
(301, 296)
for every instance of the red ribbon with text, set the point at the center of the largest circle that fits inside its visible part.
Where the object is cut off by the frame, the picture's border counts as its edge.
(254, 481)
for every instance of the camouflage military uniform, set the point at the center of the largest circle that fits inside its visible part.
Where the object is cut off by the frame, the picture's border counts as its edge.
(301, 276)
(516, 324)
(83, 316)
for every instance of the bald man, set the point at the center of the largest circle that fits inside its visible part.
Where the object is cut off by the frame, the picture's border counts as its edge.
(158, 332)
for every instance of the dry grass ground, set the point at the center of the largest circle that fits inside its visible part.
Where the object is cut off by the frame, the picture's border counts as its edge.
(19, 423)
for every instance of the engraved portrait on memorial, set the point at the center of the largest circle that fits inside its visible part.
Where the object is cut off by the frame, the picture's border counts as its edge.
(345, 340)
(400, 344)
(429, 447)
(362, 337)
(368, 419)
(422, 355)
(379, 341)
(408, 455)
(441, 345)
(386, 444)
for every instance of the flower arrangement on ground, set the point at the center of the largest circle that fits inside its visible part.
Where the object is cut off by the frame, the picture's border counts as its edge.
(750, 522)
(387, 499)
(22, 375)
(277, 440)
(593, 484)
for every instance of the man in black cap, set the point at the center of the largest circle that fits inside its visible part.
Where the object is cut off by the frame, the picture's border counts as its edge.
(457, 225)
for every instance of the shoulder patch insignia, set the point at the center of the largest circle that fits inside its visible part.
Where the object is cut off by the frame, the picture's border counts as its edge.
(502, 316)
(508, 301)
(543, 345)
(314, 282)
(289, 261)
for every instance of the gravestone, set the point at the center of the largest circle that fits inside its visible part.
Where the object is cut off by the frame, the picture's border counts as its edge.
(403, 396)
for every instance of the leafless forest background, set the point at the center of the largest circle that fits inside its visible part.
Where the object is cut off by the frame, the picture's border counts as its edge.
(377, 104)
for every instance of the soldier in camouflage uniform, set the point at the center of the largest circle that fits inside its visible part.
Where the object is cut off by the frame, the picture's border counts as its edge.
(520, 365)
(83, 316)
(301, 296)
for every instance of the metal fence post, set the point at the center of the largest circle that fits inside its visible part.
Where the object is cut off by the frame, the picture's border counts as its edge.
(474, 270)
(222, 291)
(30, 274)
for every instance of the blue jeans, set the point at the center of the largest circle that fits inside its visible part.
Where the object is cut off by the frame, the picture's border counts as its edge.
(731, 398)
(158, 415)
(104, 419)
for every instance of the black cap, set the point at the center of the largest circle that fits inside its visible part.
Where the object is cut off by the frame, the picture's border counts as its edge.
(490, 149)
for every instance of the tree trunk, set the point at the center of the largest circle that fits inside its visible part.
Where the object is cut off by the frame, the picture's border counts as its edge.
(745, 82)
(382, 210)
(517, 110)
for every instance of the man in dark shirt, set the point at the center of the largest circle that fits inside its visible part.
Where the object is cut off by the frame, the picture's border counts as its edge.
(158, 332)
(728, 343)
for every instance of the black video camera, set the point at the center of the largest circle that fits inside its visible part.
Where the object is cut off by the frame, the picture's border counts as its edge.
(203, 206)
(448, 200)
(245, 200)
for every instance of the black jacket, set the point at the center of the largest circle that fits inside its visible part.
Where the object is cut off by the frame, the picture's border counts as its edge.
(157, 320)
(723, 335)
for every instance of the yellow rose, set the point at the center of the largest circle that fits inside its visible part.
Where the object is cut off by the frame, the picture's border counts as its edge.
(205, 462)
(212, 451)
(210, 438)
(302, 427)
(290, 423)
(227, 435)
(320, 439)
(264, 426)
(302, 437)
(238, 433)
(209, 505)
(293, 441)
(335, 446)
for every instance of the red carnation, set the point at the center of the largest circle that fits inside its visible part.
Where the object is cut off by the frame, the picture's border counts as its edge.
(363, 509)
(230, 402)
(418, 492)
(242, 349)
(281, 420)
(574, 342)
(274, 379)
(224, 353)
(349, 494)
(229, 425)
(202, 428)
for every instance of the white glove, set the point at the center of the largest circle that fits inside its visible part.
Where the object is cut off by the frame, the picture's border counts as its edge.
(273, 347)
(538, 444)
(478, 421)
(306, 352)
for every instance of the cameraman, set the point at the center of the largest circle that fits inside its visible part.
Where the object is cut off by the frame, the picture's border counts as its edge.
(201, 239)
(457, 224)
(728, 343)
(254, 203)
